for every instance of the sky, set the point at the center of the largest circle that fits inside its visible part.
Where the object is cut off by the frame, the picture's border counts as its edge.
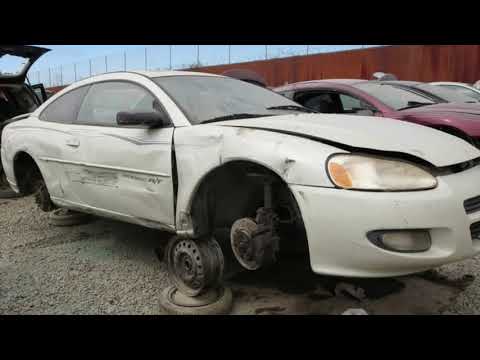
(65, 63)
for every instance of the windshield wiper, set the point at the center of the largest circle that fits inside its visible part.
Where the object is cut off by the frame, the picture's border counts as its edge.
(414, 104)
(291, 107)
(234, 117)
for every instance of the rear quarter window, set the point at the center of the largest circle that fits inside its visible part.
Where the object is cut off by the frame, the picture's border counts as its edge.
(65, 108)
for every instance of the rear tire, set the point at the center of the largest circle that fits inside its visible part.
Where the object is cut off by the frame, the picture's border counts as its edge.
(42, 197)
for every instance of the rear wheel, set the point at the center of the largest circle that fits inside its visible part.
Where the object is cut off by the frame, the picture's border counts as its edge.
(42, 196)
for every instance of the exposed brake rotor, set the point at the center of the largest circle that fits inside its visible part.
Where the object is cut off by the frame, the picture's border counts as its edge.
(254, 242)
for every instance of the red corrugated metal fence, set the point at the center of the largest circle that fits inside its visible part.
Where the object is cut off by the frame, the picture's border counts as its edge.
(407, 62)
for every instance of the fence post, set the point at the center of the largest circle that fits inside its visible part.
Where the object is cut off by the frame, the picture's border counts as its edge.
(50, 77)
(229, 53)
(75, 70)
(266, 52)
(61, 75)
(198, 55)
(146, 63)
(308, 48)
(90, 62)
(170, 51)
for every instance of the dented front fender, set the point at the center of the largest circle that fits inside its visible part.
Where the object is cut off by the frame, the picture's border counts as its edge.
(201, 149)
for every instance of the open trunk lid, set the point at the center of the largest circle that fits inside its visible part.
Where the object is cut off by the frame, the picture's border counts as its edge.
(29, 53)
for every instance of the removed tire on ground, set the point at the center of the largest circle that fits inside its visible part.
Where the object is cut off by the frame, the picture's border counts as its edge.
(213, 302)
(66, 217)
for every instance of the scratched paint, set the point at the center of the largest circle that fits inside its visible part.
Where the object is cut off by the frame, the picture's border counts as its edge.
(100, 178)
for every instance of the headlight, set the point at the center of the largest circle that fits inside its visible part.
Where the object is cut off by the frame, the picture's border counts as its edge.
(369, 173)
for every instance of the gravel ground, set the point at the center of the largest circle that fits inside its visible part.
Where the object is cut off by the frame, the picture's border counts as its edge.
(108, 267)
(98, 268)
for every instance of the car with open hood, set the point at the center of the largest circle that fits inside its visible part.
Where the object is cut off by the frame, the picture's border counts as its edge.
(390, 99)
(17, 96)
(222, 165)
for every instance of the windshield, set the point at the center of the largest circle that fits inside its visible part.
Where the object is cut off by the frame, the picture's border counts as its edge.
(464, 90)
(208, 98)
(445, 94)
(395, 97)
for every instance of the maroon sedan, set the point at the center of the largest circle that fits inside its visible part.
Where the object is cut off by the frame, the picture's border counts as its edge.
(373, 98)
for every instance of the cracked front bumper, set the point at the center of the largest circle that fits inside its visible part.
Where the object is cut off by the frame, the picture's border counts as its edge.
(337, 222)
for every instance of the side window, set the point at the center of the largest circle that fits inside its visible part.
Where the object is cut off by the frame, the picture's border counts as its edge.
(323, 102)
(105, 100)
(288, 94)
(65, 108)
(349, 103)
(353, 105)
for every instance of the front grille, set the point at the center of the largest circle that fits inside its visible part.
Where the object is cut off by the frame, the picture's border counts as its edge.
(475, 230)
(471, 205)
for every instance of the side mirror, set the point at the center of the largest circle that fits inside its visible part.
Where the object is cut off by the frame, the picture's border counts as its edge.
(152, 119)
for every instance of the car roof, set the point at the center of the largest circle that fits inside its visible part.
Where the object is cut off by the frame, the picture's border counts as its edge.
(449, 83)
(397, 82)
(337, 81)
(314, 83)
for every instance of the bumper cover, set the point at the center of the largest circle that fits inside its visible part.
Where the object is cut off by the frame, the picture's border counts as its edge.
(337, 222)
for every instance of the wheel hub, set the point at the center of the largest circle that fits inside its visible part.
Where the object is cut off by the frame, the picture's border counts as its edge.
(188, 264)
(254, 242)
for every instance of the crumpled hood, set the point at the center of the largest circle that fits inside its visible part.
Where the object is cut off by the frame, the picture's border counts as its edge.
(370, 133)
(446, 109)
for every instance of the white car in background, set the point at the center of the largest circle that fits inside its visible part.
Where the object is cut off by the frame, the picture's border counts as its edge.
(195, 154)
(461, 88)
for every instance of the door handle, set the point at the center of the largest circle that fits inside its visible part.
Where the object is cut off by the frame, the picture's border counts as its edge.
(73, 142)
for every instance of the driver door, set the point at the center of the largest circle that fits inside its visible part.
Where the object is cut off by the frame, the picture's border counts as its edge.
(125, 171)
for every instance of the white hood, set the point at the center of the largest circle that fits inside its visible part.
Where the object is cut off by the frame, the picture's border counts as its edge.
(375, 133)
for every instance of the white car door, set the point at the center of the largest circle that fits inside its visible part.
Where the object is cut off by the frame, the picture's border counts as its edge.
(123, 171)
(54, 141)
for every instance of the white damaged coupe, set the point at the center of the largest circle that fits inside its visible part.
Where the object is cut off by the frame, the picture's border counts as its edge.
(209, 157)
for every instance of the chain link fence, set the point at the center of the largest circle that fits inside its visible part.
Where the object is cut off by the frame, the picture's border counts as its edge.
(173, 57)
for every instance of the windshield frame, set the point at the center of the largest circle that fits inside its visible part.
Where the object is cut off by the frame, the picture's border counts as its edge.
(194, 123)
